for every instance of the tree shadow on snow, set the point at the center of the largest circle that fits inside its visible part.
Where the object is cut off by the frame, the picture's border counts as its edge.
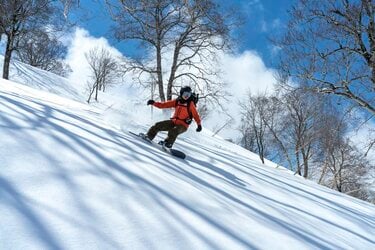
(90, 142)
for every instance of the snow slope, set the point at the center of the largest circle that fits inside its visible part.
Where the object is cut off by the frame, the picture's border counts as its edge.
(43, 80)
(70, 179)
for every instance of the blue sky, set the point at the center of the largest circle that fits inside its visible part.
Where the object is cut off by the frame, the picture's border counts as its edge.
(262, 18)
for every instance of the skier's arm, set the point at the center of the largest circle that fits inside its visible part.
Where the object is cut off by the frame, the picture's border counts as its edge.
(195, 114)
(164, 105)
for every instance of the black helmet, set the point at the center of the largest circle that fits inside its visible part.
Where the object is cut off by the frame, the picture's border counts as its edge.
(185, 89)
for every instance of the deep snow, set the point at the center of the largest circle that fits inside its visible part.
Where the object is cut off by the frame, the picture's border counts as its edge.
(72, 178)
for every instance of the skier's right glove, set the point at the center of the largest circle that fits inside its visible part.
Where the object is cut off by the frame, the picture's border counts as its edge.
(199, 128)
(150, 102)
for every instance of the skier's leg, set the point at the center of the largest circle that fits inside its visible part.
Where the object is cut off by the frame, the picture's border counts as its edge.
(159, 126)
(173, 133)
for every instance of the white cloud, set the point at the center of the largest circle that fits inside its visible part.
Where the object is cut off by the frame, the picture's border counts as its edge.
(79, 43)
(363, 137)
(243, 72)
(119, 97)
(247, 71)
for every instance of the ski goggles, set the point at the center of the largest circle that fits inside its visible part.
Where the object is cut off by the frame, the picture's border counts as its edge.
(186, 94)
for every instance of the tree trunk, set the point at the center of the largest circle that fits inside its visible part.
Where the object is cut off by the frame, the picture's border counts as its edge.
(158, 46)
(90, 95)
(260, 146)
(159, 73)
(305, 157)
(324, 170)
(371, 35)
(276, 137)
(298, 170)
(7, 57)
(173, 72)
(96, 91)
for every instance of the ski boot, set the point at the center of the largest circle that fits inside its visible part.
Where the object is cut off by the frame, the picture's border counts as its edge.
(165, 144)
(144, 137)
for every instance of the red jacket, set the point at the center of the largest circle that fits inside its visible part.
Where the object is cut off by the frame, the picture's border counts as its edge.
(181, 112)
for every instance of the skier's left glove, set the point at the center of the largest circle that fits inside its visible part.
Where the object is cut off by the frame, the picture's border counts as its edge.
(199, 128)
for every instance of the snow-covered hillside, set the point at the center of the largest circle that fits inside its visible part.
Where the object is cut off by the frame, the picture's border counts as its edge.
(43, 80)
(71, 178)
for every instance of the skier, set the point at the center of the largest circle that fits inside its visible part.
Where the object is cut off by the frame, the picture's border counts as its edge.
(185, 110)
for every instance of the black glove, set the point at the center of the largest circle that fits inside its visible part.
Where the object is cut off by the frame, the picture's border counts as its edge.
(150, 102)
(199, 128)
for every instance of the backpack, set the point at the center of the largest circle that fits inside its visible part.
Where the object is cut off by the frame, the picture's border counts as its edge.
(193, 98)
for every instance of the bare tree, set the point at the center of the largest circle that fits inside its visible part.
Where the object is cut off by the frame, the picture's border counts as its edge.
(41, 49)
(329, 46)
(346, 169)
(248, 138)
(333, 127)
(263, 126)
(68, 4)
(339, 164)
(304, 110)
(188, 34)
(254, 111)
(18, 18)
(275, 115)
(286, 125)
(309, 133)
(104, 70)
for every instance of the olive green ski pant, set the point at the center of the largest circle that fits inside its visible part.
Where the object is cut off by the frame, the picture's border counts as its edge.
(167, 125)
